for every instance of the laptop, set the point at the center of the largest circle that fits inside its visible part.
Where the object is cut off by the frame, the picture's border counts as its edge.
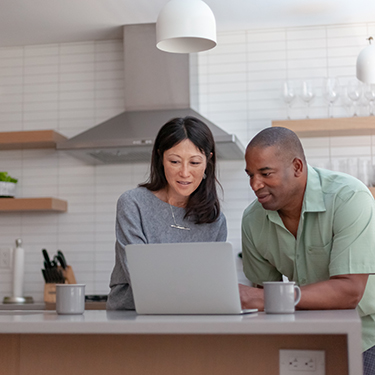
(184, 278)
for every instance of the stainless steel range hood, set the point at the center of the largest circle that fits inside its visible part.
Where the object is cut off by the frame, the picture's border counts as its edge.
(159, 86)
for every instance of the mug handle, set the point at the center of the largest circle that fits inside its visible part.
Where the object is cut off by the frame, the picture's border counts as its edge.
(298, 294)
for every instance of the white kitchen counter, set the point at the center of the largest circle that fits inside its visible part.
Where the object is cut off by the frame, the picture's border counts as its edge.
(123, 322)
(114, 323)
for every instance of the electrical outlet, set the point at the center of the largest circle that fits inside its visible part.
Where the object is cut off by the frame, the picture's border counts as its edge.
(5, 258)
(302, 362)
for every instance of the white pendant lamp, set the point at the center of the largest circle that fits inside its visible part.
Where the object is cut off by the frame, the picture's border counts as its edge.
(366, 63)
(185, 26)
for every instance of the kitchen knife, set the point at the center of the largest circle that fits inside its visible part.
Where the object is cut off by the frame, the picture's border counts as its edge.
(62, 259)
(47, 262)
(59, 259)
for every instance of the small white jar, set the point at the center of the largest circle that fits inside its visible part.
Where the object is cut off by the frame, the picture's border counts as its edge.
(7, 189)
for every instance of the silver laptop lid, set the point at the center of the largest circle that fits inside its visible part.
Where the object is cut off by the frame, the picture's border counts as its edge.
(184, 278)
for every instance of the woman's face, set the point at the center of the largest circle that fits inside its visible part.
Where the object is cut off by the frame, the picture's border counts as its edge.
(184, 166)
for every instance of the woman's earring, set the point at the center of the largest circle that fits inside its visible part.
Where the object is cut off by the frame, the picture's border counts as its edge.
(204, 176)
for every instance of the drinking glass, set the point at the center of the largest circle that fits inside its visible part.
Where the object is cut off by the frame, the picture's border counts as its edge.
(307, 94)
(370, 96)
(289, 95)
(354, 92)
(331, 92)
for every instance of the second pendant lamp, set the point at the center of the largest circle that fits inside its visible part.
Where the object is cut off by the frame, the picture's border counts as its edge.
(366, 63)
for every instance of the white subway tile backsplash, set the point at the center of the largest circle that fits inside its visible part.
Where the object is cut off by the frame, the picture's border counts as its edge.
(306, 33)
(234, 37)
(266, 65)
(9, 71)
(307, 54)
(11, 107)
(311, 63)
(109, 47)
(41, 60)
(11, 53)
(266, 55)
(110, 75)
(41, 87)
(39, 97)
(41, 79)
(67, 87)
(77, 48)
(11, 80)
(80, 76)
(80, 113)
(265, 46)
(266, 35)
(307, 44)
(227, 59)
(40, 106)
(348, 41)
(41, 69)
(41, 50)
(85, 67)
(346, 31)
(266, 75)
(82, 58)
(47, 114)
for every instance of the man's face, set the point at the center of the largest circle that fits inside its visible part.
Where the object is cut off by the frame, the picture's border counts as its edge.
(272, 177)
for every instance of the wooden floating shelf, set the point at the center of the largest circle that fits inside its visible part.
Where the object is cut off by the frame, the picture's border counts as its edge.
(30, 139)
(32, 204)
(325, 127)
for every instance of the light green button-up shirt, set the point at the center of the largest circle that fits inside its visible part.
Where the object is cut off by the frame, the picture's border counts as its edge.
(336, 236)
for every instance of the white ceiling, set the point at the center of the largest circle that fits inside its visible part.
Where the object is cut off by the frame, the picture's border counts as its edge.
(25, 22)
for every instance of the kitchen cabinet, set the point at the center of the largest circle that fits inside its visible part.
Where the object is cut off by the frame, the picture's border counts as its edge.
(326, 127)
(33, 139)
(122, 342)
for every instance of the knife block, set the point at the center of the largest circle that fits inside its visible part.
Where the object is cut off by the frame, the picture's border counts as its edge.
(50, 288)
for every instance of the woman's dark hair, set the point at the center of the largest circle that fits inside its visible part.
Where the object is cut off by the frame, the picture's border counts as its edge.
(203, 205)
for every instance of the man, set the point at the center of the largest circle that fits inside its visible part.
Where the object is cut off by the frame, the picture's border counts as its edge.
(314, 226)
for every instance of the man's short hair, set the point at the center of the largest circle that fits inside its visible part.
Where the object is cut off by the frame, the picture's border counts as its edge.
(285, 139)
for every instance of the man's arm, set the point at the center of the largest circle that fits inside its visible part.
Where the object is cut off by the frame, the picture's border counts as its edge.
(339, 292)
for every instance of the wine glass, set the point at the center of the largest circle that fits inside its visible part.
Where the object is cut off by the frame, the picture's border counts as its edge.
(370, 96)
(354, 92)
(331, 92)
(289, 96)
(307, 94)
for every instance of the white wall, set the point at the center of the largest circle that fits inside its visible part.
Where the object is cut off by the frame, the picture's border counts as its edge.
(71, 87)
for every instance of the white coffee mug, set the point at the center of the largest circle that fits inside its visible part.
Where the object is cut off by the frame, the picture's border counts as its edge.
(280, 297)
(70, 299)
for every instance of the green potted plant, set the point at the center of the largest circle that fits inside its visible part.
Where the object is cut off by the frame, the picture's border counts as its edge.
(7, 185)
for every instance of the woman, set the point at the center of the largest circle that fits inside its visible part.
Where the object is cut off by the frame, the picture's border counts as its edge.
(178, 203)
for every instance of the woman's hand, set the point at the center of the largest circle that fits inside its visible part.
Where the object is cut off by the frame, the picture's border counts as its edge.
(251, 298)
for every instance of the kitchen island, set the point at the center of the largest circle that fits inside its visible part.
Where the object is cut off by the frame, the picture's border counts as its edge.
(122, 342)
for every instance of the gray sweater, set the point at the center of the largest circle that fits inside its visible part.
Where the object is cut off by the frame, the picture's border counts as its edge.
(144, 218)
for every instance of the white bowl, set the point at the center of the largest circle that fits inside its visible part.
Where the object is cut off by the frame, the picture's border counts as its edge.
(7, 189)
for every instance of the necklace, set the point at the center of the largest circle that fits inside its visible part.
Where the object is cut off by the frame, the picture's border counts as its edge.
(175, 225)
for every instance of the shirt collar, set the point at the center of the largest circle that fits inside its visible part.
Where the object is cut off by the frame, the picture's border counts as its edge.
(313, 199)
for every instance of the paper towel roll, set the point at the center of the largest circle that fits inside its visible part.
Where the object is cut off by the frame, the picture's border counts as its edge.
(18, 269)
